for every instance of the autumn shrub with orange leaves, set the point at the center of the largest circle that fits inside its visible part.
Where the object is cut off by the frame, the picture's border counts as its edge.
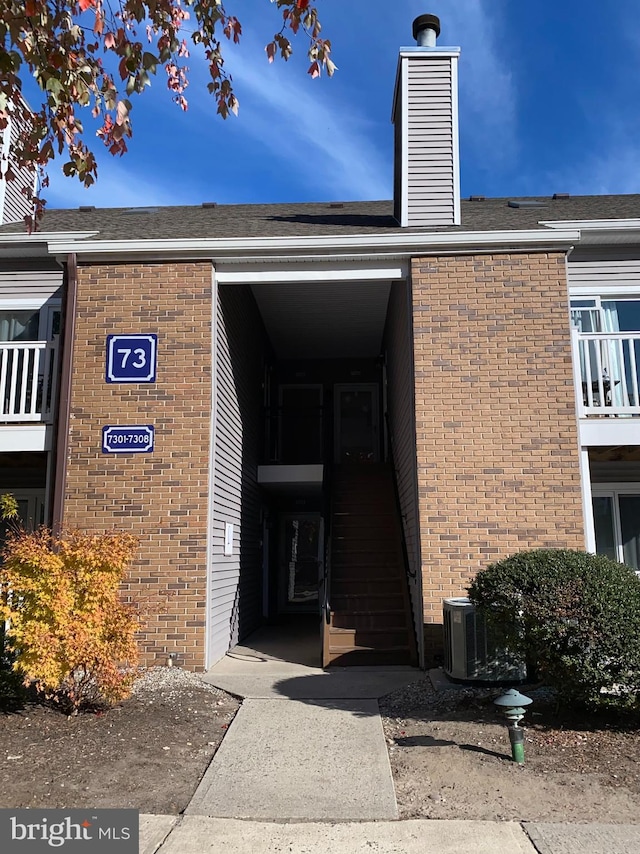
(69, 632)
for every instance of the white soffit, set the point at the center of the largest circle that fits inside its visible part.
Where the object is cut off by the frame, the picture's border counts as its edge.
(25, 437)
(332, 320)
(608, 431)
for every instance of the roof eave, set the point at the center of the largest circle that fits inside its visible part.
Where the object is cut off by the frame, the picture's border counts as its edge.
(269, 248)
(600, 232)
(36, 245)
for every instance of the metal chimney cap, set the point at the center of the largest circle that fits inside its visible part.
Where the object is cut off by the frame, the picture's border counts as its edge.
(426, 22)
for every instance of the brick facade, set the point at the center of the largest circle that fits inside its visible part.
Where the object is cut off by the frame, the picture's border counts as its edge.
(497, 442)
(162, 496)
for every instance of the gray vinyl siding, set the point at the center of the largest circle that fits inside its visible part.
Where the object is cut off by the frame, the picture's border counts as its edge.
(35, 278)
(589, 268)
(401, 412)
(429, 195)
(235, 596)
(16, 206)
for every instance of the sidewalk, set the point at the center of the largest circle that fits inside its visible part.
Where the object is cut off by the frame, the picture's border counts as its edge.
(200, 835)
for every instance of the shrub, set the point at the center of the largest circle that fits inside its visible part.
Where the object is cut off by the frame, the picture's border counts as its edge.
(69, 632)
(575, 615)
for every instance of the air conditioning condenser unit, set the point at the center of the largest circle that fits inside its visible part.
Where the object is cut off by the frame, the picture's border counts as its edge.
(470, 653)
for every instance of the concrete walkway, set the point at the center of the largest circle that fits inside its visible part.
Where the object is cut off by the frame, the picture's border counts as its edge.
(306, 745)
(297, 760)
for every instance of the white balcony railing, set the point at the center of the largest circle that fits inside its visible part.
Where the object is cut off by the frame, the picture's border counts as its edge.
(27, 380)
(606, 368)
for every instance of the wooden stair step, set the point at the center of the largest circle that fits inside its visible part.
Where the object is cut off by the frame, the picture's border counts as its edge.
(360, 568)
(345, 551)
(381, 584)
(340, 638)
(364, 657)
(361, 602)
(376, 621)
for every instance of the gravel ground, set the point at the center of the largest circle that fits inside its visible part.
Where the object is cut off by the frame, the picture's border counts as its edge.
(148, 753)
(451, 758)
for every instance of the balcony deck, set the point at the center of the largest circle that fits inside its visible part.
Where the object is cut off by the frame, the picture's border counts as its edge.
(606, 373)
(28, 374)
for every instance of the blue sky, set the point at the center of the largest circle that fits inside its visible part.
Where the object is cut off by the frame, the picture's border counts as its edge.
(549, 102)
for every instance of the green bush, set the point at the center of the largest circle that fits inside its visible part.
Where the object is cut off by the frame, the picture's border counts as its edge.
(574, 615)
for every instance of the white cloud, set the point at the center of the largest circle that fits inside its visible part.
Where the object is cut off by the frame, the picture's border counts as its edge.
(488, 96)
(327, 142)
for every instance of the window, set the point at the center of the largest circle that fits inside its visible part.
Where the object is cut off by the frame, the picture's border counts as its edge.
(613, 356)
(24, 323)
(616, 517)
(19, 325)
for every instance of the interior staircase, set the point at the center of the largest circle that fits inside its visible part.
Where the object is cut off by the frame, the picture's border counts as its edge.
(369, 614)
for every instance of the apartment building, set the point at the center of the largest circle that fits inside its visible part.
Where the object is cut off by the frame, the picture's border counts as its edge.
(332, 412)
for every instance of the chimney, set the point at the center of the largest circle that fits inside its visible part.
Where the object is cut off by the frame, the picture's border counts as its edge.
(425, 116)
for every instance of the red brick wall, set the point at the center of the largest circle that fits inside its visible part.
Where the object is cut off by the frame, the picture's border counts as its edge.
(161, 496)
(497, 442)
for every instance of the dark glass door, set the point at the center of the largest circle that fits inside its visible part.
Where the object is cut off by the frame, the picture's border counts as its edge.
(300, 561)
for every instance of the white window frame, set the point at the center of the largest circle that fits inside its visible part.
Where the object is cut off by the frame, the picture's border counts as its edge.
(613, 490)
(45, 306)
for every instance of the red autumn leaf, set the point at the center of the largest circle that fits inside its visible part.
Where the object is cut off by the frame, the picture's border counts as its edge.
(65, 49)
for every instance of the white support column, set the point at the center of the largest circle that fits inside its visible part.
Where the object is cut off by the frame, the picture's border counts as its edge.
(587, 504)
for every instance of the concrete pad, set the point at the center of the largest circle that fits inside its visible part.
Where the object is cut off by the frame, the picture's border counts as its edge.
(197, 835)
(154, 829)
(584, 838)
(316, 760)
(297, 642)
(274, 680)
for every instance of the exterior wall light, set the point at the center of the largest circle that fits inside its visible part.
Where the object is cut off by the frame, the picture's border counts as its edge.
(512, 703)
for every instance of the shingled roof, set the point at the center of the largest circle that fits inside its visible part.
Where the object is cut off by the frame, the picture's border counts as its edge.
(338, 219)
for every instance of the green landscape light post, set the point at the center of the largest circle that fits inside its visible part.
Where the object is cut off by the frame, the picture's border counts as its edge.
(513, 704)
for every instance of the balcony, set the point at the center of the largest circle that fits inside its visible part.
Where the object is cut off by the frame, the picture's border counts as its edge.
(28, 373)
(606, 373)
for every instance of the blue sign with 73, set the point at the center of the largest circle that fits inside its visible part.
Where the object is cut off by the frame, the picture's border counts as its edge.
(131, 358)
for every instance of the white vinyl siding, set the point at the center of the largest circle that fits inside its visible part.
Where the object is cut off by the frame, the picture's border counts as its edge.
(593, 271)
(235, 591)
(427, 148)
(16, 206)
(30, 279)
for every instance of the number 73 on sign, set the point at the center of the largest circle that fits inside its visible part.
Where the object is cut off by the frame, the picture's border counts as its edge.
(131, 358)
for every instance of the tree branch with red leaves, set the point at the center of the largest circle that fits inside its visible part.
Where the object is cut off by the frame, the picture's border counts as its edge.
(85, 54)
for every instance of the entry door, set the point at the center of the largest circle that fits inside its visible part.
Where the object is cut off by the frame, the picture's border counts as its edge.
(30, 510)
(356, 434)
(300, 561)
